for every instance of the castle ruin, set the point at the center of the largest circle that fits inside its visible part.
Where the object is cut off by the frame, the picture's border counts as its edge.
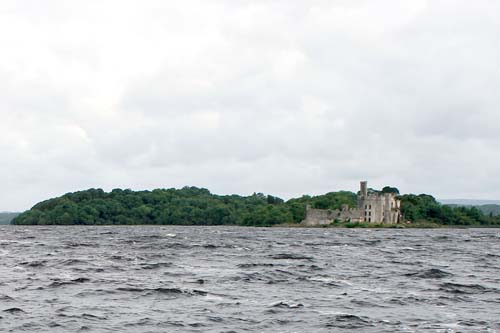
(372, 207)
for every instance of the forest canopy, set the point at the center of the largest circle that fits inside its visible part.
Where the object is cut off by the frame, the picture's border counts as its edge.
(197, 206)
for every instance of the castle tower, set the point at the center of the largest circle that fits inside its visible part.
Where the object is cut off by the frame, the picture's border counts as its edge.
(364, 188)
(362, 201)
(387, 217)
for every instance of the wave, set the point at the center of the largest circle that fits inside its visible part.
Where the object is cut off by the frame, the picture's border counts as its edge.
(457, 288)
(288, 305)
(367, 304)
(155, 265)
(71, 262)
(14, 310)
(253, 265)
(81, 245)
(35, 263)
(165, 291)
(432, 273)
(291, 256)
(59, 283)
(349, 321)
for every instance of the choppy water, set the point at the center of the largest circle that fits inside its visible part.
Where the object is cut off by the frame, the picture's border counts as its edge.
(229, 279)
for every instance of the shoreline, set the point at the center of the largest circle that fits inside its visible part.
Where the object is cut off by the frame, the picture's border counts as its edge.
(283, 225)
(388, 226)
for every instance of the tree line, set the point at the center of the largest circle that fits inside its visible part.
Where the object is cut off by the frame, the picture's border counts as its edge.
(197, 206)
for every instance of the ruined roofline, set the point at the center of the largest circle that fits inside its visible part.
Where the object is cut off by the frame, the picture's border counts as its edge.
(372, 207)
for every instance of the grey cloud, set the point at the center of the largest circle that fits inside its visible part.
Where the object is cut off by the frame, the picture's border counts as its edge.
(288, 97)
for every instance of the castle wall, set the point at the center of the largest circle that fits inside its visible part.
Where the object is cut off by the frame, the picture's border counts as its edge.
(380, 208)
(372, 207)
(318, 216)
(327, 216)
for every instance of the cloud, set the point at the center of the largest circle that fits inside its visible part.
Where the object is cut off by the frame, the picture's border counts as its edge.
(283, 97)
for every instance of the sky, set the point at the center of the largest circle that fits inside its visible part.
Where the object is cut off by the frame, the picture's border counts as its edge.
(282, 97)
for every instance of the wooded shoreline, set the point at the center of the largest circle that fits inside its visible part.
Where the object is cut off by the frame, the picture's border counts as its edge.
(198, 206)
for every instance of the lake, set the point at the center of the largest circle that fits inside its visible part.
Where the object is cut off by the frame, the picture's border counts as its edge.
(236, 279)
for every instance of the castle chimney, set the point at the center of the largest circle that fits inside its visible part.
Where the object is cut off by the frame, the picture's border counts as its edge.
(364, 188)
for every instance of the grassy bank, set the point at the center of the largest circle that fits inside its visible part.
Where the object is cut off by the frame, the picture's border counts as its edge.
(364, 225)
(361, 225)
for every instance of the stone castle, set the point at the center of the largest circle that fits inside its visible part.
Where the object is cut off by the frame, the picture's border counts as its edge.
(373, 207)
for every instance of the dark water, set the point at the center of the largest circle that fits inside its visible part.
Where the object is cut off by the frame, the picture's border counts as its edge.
(227, 279)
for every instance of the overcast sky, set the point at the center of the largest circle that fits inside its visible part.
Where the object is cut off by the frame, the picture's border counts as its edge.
(282, 97)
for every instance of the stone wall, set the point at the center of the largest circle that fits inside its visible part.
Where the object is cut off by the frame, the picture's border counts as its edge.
(373, 207)
(327, 216)
(380, 208)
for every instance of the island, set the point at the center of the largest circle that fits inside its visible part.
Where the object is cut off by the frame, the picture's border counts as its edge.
(198, 206)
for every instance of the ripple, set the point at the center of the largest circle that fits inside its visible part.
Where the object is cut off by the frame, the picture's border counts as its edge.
(287, 305)
(457, 288)
(291, 256)
(165, 291)
(231, 279)
(14, 310)
(432, 273)
(349, 321)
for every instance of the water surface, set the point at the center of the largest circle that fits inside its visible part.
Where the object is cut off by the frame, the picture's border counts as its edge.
(231, 279)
